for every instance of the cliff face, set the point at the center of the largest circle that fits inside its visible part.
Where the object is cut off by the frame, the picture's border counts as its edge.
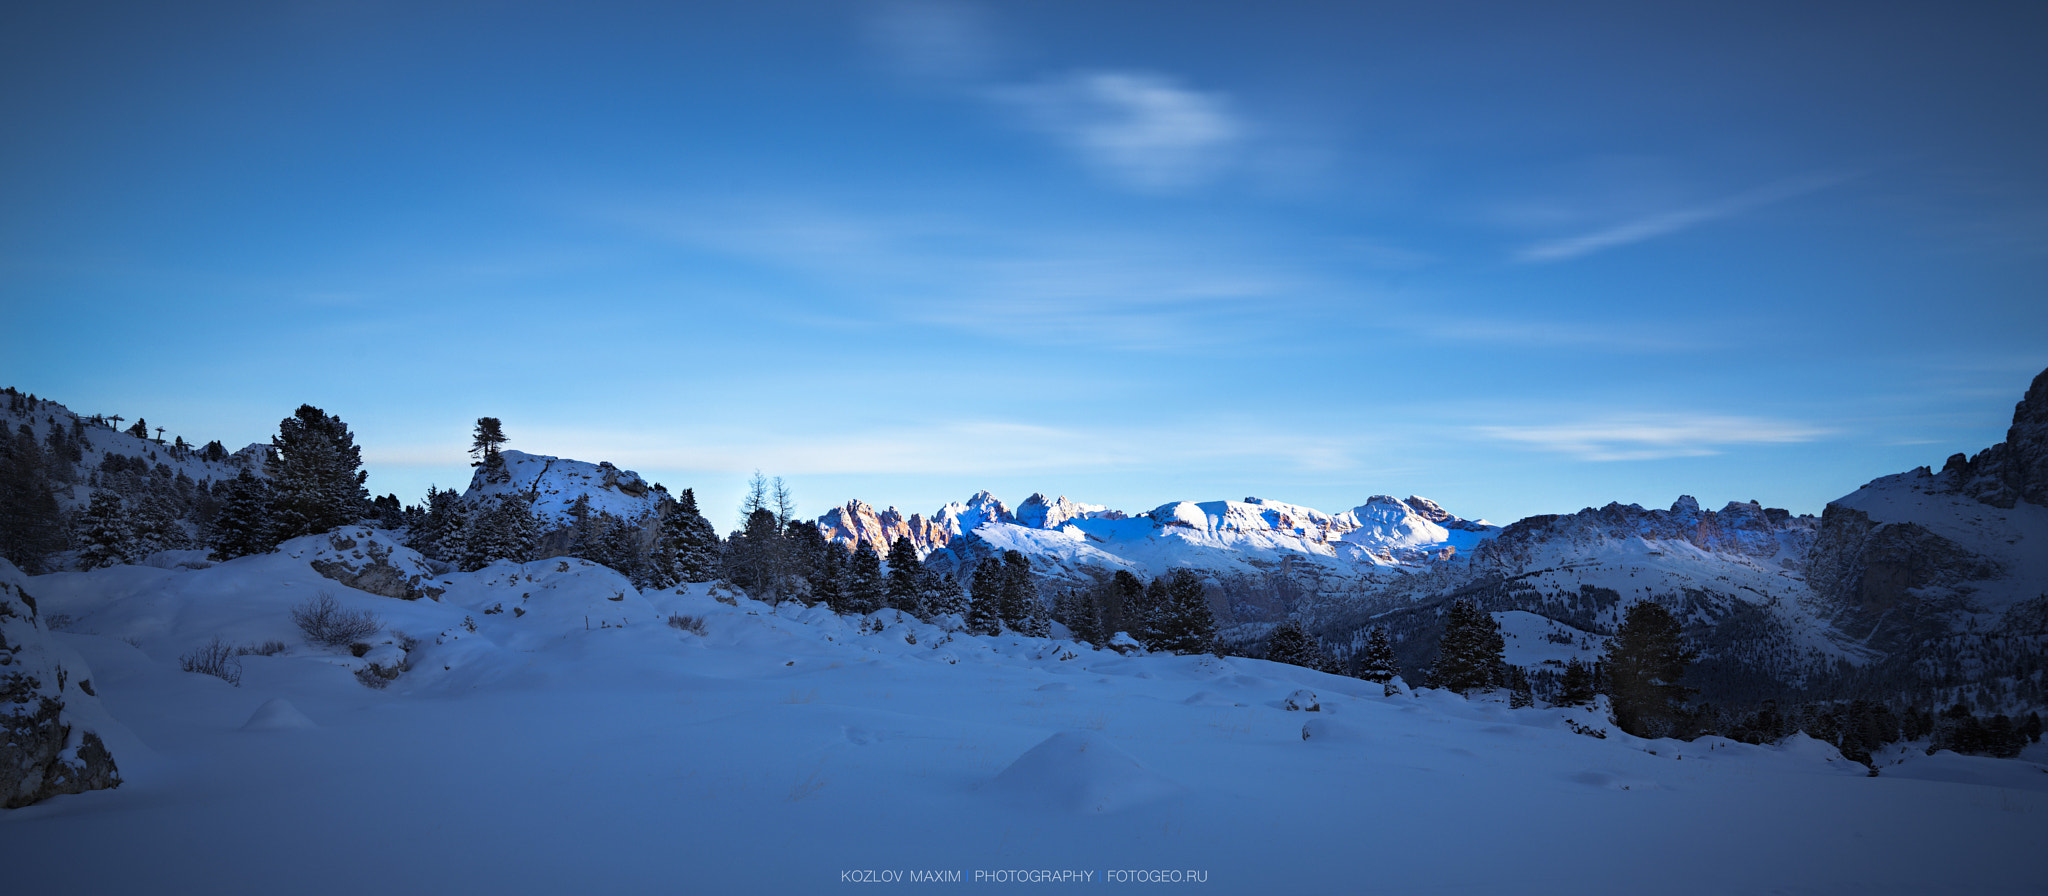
(2013, 470)
(44, 750)
(1910, 562)
(857, 523)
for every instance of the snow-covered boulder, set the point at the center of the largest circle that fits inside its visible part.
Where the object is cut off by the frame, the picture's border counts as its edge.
(367, 559)
(44, 750)
(1303, 700)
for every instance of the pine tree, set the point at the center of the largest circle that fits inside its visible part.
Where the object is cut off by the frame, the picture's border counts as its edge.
(754, 556)
(865, 588)
(1377, 663)
(243, 525)
(1146, 616)
(1577, 689)
(1644, 664)
(317, 474)
(906, 578)
(941, 594)
(1290, 643)
(984, 612)
(1077, 610)
(828, 578)
(490, 433)
(695, 540)
(438, 534)
(506, 530)
(1471, 654)
(31, 526)
(1123, 604)
(1183, 621)
(1019, 591)
(105, 535)
(1521, 694)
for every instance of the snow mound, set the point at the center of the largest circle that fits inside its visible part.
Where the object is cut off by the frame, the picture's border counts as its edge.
(1081, 771)
(278, 714)
(1324, 729)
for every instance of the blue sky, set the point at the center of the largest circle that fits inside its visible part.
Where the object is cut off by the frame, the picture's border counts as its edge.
(1517, 259)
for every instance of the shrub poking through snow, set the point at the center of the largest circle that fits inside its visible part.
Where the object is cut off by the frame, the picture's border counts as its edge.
(267, 648)
(692, 624)
(1303, 700)
(325, 623)
(217, 659)
(375, 676)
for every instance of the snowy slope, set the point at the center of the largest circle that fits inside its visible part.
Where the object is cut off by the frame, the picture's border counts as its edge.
(552, 735)
(97, 441)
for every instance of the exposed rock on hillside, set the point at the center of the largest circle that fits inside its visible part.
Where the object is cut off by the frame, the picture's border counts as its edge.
(44, 750)
(2013, 470)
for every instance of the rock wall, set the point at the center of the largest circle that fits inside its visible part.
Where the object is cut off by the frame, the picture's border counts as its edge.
(44, 751)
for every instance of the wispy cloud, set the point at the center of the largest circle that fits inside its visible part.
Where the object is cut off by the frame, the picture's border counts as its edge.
(1654, 436)
(1139, 129)
(1108, 289)
(1664, 223)
(934, 40)
(945, 447)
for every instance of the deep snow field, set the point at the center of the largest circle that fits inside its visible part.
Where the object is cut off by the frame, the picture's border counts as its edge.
(586, 746)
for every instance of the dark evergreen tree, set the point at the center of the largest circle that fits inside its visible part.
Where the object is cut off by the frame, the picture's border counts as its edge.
(984, 611)
(828, 578)
(1077, 609)
(140, 430)
(1376, 662)
(1019, 591)
(1183, 622)
(1470, 656)
(316, 474)
(1647, 658)
(865, 588)
(243, 526)
(388, 511)
(31, 525)
(906, 578)
(1290, 643)
(943, 595)
(505, 530)
(1577, 689)
(1520, 693)
(441, 527)
(1123, 604)
(490, 433)
(695, 540)
(106, 537)
(1145, 617)
(753, 556)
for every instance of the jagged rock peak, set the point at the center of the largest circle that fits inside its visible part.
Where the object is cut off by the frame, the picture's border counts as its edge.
(858, 523)
(2013, 470)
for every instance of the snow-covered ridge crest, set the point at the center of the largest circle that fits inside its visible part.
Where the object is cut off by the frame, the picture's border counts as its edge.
(554, 483)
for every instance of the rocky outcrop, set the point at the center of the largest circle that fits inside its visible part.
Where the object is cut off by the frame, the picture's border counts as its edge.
(1891, 581)
(1040, 512)
(857, 523)
(44, 750)
(368, 560)
(2013, 470)
(1435, 513)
